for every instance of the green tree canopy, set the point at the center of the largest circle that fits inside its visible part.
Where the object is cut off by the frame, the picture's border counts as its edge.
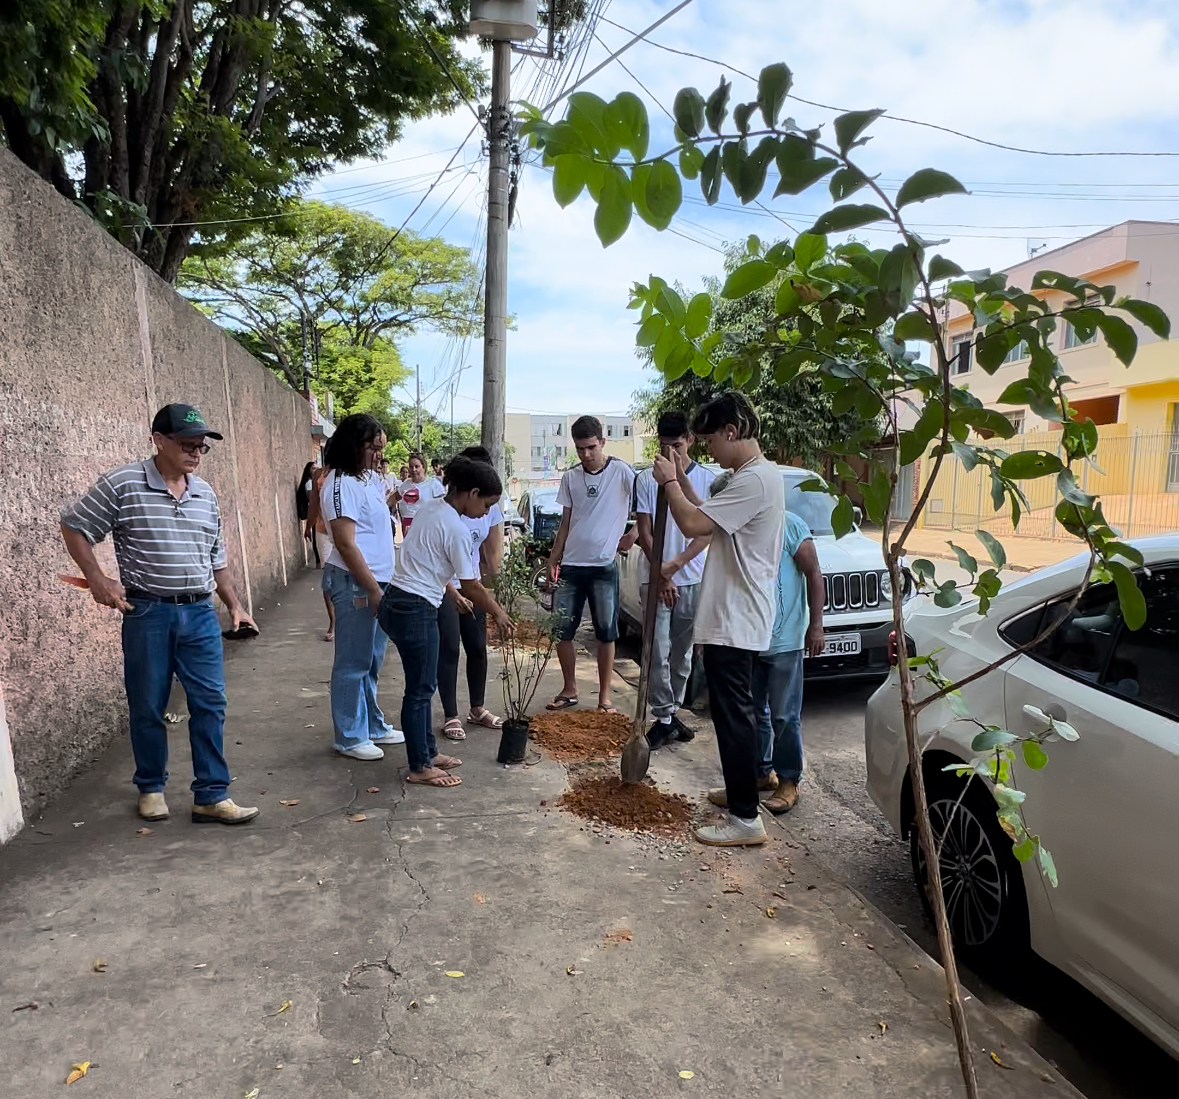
(797, 419)
(156, 114)
(335, 288)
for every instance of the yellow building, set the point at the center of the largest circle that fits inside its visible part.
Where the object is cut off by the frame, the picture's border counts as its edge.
(1137, 467)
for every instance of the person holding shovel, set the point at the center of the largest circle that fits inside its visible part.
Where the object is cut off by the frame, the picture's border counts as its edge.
(168, 543)
(744, 517)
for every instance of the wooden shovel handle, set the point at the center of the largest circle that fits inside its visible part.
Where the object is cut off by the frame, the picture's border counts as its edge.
(651, 609)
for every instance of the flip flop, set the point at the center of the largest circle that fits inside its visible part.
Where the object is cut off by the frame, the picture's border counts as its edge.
(487, 719)
(453, 729)
(562, 702)
(607, 709)
(436, 781)
(449, 763)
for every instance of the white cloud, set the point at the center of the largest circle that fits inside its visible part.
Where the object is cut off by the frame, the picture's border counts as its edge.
(1049, 74)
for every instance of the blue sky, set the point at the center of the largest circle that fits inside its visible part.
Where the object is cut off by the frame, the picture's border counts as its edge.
(1061, 75)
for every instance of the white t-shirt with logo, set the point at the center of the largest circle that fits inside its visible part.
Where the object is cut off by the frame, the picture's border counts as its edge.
(361, 499)
(414, 495)
(674, 541)
(600, 506)
(479, 529)
(437, 548)
(736, 605)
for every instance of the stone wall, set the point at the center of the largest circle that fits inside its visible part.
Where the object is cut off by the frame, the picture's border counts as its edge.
(91, 344)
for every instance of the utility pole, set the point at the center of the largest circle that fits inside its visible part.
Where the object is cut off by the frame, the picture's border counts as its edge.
(417, 408)
(495, 307)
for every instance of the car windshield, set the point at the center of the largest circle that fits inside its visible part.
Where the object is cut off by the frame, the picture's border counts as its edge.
(546, 502)
(813, 508)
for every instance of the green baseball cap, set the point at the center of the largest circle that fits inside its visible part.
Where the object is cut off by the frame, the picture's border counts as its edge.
(182, 421)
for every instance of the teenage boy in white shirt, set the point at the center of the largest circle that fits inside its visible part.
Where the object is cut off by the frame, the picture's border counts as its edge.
(595, 498)
(745, 516)
(677, 589)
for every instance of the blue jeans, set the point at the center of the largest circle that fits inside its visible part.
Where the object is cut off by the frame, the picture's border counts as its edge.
(777, 696)
(159, 640)
(412, 624)
(356, 669)
(599, 585)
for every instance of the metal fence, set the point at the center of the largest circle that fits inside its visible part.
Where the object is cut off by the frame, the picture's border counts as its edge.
(1135, 474)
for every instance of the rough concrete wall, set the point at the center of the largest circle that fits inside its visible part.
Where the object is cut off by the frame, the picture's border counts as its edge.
(91, 344)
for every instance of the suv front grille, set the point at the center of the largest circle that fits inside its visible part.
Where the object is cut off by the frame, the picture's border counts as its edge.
(851, 591)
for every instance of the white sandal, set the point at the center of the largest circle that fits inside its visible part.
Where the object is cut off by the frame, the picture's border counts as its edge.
(487, 719)
(453, 729)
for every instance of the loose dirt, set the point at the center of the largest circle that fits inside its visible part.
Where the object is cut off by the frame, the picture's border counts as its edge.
(527, 635)
(580, 734)
(633, 806)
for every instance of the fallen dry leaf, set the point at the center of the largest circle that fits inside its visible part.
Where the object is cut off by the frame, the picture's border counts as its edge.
(356, 818)
(412, 1006)
(32, 1005)
(252, 1093)
(771, 911)
(732, 889)
(284, 1006)
(621, 935)
(78, 1069)
(356, 1060)
(201, 966)
(573, 972)
(290, 801)
(455, 973)
(883, 1027)
(686, 1074)
(143, 831)
(374, 789)
(995, 1057)
(99, 965)
(480, 898)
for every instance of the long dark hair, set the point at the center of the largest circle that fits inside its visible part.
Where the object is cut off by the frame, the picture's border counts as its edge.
(345, 451)
(464, 474)
(301, 495)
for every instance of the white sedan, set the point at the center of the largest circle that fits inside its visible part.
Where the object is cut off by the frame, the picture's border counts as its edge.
(1106, 806)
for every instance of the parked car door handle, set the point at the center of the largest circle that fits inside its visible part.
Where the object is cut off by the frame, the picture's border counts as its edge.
(1056, 710)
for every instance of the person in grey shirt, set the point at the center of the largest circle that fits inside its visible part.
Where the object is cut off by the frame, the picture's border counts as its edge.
(166, 527)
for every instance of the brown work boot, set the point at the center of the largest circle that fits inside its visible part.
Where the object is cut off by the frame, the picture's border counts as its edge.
(783, 799)
(223, 812)
(153, 807)
(767, 784)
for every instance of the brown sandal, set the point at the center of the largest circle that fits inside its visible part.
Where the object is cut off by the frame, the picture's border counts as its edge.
(487, 719)
(453, 729)
(441, 780)
(446, 763)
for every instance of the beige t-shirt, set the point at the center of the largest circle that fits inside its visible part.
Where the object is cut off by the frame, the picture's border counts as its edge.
(737, 593)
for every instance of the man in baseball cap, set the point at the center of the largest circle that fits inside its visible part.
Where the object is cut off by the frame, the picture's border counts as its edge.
(171, 555)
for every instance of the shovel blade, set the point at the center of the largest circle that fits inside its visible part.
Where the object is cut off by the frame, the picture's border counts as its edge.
(636, 758)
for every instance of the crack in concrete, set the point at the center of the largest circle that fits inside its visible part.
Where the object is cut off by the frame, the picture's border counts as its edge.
(360, 968)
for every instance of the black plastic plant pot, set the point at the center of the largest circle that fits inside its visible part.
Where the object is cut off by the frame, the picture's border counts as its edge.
(513, 742)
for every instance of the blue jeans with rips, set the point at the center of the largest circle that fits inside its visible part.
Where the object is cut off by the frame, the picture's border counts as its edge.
(412, 624)
(356, 666)
(159, 640)
(777, 696)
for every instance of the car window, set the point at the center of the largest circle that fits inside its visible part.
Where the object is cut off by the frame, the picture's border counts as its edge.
(813, 508)
(1082, 643)
(1145, 661)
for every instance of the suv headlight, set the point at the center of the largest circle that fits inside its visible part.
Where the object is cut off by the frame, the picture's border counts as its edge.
(885, 586)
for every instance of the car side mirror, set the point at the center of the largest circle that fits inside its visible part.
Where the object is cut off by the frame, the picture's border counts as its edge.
(859, 516)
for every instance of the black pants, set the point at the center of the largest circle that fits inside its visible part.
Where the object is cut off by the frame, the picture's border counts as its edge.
(471, 630)
(729, 673)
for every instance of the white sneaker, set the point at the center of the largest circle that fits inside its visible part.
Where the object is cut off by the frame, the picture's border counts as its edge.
(733, 832)
(390, 736)
(362, 751)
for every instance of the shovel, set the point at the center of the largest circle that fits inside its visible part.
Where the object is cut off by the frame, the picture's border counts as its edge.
(636, 756)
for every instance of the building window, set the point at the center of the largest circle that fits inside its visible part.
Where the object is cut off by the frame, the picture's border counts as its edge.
(538, 452)
(559, 451)
(1071, 337)
(960, 354)
(609, 431)
(626, 431)
(558, 429)
(1019, 351)
(1017, 420)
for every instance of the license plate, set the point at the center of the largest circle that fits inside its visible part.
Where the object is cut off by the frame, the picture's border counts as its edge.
(841, 644)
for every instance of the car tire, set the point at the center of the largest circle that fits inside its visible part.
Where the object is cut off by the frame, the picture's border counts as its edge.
(981, 879)
(539, 582)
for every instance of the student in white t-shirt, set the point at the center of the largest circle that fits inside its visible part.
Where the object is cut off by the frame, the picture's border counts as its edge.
(595, 498)
(678, 589)
(411, 494)
(359, 564)
(745, 516)
(461, 623)
(437, 549)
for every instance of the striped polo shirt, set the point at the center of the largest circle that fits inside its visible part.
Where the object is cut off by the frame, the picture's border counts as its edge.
(163, 545)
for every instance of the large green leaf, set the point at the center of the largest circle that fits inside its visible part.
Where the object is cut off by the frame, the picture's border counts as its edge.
(927, 183)
(612, 218)
(899, 276)
(679, 360)
(1029, 464)
(691, 161)
(671, 305)
(1121, 338)
(942, 268)
(990, 739)
(851, 216)
(843, 517)
(1130, 597)
(994, 547)
(787, 300)
(698, 315)
(664, 193)
(747, 278)
(710, 176)
(914, 326)
(966, 560)
(849, 127)
(1149, 314)
(846, 182)
(809, 248)
(688, 109)
(796, 175)
(1034, 756)
(773, 85)
(568, 177)
(650, 330)
(625, 122)
(587, 114)
(781, 255)
(717, 106)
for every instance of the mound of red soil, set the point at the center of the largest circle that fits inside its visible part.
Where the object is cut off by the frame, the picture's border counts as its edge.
(580, 734)
(637, 805)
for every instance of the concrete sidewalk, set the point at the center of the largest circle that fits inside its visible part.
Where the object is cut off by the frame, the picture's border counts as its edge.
(1023, 554)
(308, 954)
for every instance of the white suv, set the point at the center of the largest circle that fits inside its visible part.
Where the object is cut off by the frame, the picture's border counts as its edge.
(857, 615)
